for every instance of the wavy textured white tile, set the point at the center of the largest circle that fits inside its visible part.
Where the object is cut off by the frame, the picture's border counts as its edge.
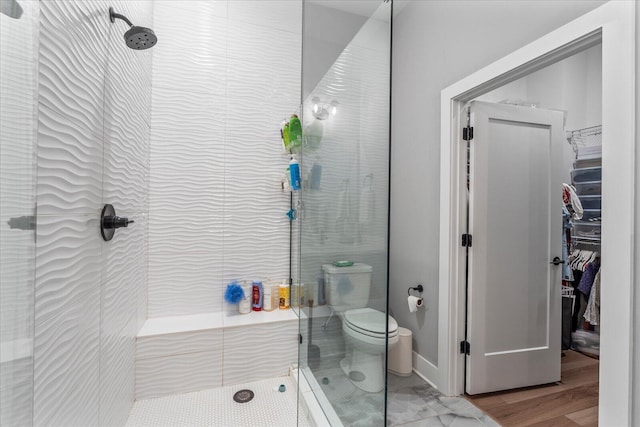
(67, 265)
(18, 121)
(187, 119)
(127, 127)
(18, 37)
(264, 45)
(117, 375)
(178, 343)
(183, 283)
(16, 392)
(190, 54)
(175, 374)
(69, 165)
(203, 7)
(17, 268)
(249, 90)
(85, 100)
(66, 354)
(191, 230)
(124, 264)
(280, 14)
(17, 165)
(73, 60)
(278, 344)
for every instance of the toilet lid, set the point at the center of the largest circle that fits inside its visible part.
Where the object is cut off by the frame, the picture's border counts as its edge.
(368, 319)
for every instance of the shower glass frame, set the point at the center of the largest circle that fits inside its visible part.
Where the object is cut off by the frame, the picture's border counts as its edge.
(343, 206)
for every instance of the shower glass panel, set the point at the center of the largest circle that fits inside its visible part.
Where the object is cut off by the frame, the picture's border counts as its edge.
(18, 127)
(343, 209)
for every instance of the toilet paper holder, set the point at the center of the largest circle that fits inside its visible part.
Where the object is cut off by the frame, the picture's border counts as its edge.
(418, 288)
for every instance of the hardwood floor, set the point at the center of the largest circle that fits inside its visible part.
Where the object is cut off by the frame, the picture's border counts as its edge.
(571, 402)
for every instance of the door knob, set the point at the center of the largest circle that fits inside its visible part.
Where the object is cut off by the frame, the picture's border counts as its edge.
(109, 222)
(557, 261)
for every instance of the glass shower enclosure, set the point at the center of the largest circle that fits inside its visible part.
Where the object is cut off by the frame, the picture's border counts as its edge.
(342, 249)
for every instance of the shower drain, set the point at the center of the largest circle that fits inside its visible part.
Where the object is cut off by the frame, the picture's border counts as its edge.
(243, 396)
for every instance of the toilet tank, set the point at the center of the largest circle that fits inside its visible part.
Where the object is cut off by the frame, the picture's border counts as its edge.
(347, 288)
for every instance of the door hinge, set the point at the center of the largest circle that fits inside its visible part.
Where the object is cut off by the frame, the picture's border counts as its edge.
(465, 347)
(300, 338)
(467, 133)
(466, 240)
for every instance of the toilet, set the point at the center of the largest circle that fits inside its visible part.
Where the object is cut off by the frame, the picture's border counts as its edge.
(364, 328)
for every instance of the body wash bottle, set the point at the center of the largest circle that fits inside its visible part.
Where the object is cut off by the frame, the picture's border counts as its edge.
(267, 297)
(257, 296)
(294, 172)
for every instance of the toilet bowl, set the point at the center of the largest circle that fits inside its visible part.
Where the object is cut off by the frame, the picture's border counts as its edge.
(365, 335)
(364, 329)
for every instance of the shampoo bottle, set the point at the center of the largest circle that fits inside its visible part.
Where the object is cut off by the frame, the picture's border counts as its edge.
(294, 172)
(295, 133)
(244, 307)
(283, 293)
(267, 297)
(284, 133)
(257, 296)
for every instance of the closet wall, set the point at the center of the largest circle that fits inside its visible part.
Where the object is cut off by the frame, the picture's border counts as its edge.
(573, 85)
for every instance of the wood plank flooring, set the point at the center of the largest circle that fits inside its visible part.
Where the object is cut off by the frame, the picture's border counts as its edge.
(571, 402)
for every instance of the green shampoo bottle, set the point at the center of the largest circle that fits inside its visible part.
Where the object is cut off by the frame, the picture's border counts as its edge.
(295, 133)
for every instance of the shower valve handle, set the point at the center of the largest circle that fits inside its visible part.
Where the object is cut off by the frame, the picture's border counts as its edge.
(109, 222)
(116, 221)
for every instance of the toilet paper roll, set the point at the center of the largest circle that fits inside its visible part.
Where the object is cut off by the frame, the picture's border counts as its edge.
(414, 303)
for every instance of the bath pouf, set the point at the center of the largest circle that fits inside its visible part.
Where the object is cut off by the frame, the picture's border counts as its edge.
(234, 293)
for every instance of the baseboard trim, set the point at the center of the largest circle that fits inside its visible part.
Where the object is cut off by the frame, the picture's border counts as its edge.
(426, 370)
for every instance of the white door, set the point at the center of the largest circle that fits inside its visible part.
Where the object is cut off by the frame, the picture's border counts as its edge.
(515, 219)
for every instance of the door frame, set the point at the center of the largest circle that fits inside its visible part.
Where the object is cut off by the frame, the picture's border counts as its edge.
(612, 25)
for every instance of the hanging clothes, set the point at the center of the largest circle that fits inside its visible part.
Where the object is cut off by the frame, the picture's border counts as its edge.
(572, 201)
(589, 275)
(580, 258)
(566, 243)
(592, 312)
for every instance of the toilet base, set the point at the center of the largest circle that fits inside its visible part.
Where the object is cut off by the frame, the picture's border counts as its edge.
(367, 373)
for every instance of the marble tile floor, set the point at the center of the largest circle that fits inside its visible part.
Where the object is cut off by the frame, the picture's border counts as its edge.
(411, 402)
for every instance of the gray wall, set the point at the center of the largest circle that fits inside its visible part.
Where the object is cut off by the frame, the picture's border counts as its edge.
(327, 31)
(437, 43)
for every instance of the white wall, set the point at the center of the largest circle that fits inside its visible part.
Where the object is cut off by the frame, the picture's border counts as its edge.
(225, 74)
(437, 43)
(93, 139)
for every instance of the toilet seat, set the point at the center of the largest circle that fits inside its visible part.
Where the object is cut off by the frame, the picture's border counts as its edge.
(370, 322)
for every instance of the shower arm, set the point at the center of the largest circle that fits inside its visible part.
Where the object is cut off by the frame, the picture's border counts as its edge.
(113, 16)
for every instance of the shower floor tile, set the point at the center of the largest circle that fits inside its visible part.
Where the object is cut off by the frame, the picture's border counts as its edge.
(216, 407)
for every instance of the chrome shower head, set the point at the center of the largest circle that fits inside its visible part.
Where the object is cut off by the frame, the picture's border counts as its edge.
(140, 38)
(137, 38)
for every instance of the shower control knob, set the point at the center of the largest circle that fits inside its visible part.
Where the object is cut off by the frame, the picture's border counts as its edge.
(109, 222)
(116, 221)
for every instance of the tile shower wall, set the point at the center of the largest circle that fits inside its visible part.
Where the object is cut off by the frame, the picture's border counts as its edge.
(93, 144)
(225, 74)
(18, 113)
